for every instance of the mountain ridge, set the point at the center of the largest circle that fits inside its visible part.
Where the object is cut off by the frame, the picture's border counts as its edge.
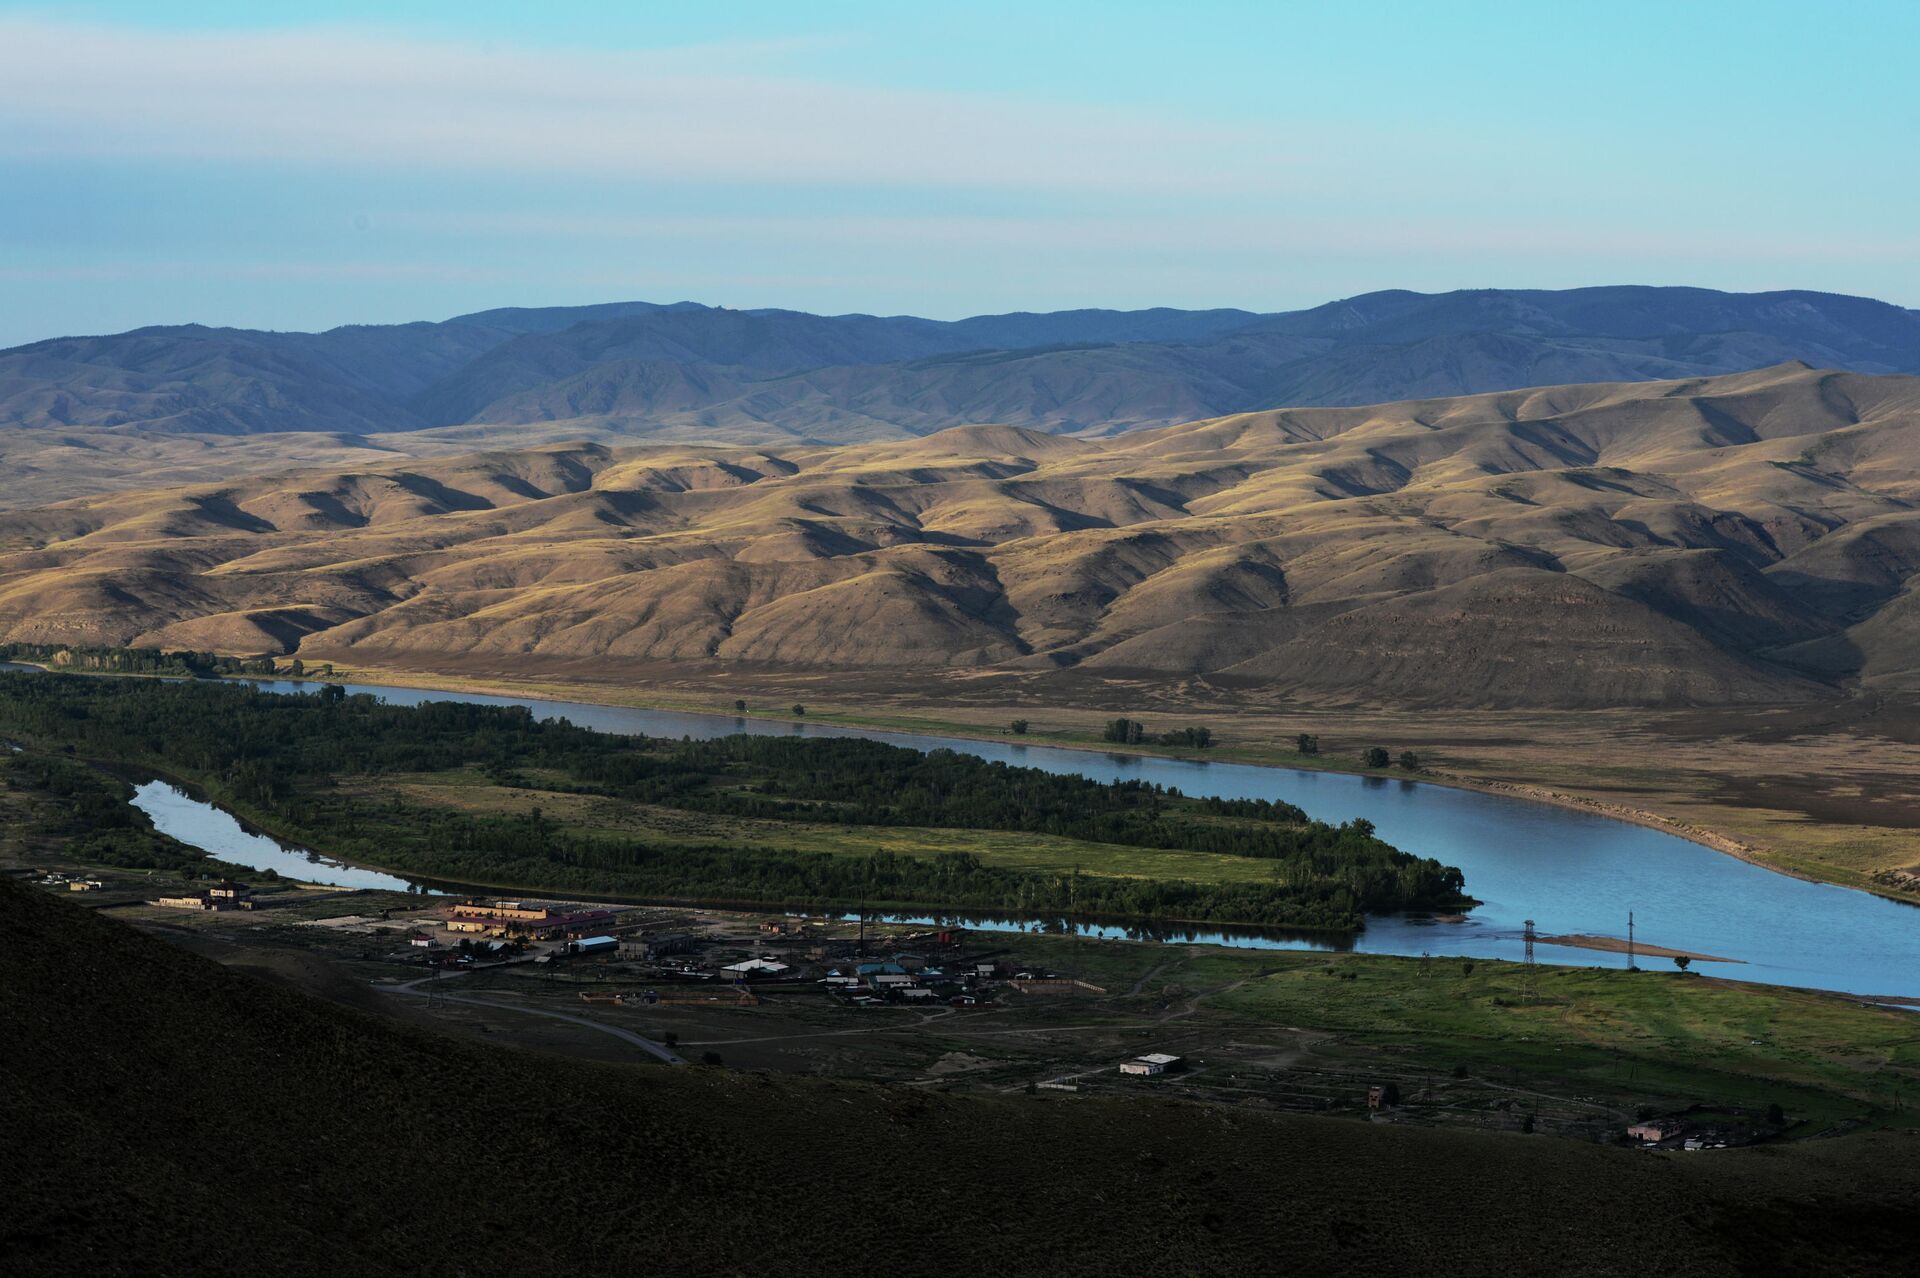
(684, 371)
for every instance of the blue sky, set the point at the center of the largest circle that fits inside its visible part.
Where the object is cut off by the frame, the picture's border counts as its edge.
(220, 162)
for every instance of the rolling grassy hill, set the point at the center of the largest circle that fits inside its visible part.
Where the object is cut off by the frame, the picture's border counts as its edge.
(1746, 539)
(167, 1115)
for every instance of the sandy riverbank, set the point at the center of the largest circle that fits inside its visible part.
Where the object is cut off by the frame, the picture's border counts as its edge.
(1615, 945)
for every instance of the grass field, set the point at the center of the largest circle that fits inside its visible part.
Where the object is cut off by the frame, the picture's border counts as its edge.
(1690, 1036)
(1681, 1039)
(467, 791)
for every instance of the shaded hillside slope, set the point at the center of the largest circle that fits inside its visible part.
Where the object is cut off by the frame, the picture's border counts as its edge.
(166, 1115)
(1752, 538)
(692, 372)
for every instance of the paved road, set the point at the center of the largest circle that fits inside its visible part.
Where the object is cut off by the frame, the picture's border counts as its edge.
(658, 1050)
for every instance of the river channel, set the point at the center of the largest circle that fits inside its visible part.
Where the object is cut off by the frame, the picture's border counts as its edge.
(1573, 873)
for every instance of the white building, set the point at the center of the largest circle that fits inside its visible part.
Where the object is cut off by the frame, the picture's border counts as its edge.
(1152, 1063)
(755, 967)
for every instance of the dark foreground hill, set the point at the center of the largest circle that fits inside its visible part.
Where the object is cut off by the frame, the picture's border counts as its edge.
(687, 372)
(164, 1115)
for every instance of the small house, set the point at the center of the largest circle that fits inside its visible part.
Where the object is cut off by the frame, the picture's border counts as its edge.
(1150, 1064)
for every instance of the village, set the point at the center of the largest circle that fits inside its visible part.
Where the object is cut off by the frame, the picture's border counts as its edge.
(929, 1006)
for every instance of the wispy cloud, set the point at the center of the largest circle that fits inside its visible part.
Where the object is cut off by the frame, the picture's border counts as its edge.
(714, 113)
(263, 272)
(1251, 236)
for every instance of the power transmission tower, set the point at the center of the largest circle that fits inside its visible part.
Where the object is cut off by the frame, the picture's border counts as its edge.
(1529, 974)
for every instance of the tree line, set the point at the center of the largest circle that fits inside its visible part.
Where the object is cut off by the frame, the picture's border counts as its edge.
(281, 756)
(154, 661)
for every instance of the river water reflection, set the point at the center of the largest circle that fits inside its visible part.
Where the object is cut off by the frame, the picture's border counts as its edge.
(179, 815)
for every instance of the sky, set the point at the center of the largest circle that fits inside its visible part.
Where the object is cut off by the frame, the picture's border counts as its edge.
(302, 166)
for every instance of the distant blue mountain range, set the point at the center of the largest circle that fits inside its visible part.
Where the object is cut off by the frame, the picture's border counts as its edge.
(686, 370)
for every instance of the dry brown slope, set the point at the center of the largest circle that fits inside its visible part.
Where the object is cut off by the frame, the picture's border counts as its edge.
(1697, 542)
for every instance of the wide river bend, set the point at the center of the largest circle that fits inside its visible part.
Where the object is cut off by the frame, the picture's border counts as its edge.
(1573, 873)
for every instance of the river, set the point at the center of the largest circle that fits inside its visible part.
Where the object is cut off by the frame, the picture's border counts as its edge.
(1573, 873)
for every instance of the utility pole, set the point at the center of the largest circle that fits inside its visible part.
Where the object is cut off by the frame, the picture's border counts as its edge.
(1630, 966)
(1073, 914)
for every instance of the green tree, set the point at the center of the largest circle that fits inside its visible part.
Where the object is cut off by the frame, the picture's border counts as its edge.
(1306, 743)
(1124, 732)
(1377, 757)
(1682, 961)
(799, 711)
(1018, 727)
(740, 706)
(1410, 761)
